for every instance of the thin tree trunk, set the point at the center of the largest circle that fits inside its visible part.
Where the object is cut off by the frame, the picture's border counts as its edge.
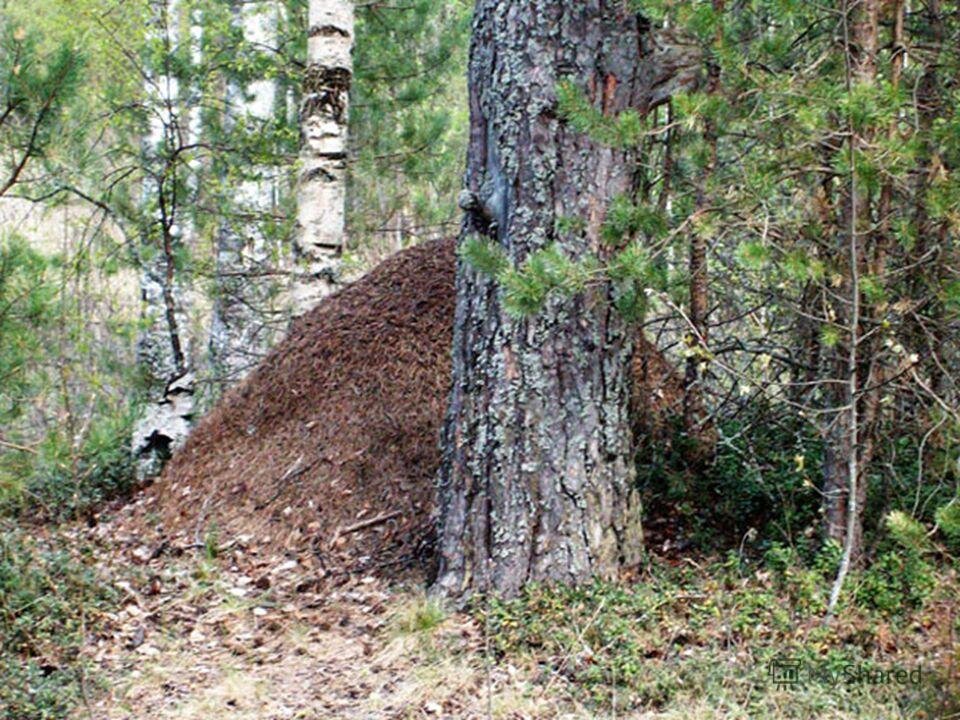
(246, 320)
(323, 122)
(163, 347)
(931, 233)
(537, 476)
(844, 479)
(693, 415)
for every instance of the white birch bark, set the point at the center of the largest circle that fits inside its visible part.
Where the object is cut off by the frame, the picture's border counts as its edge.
(323, 122)
(163, 346)
(247, 317)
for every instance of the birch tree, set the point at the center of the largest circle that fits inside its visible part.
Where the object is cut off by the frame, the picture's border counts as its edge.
(164, 347)
(323, 121)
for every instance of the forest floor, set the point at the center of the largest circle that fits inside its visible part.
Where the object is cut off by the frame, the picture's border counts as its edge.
(230, 630)
(223, 632)
(267, 573)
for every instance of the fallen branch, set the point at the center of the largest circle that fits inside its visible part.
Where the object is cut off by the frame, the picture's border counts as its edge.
(364, 524)
(14, 446)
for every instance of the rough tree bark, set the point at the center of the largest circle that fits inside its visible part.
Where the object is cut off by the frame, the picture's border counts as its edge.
(163, 346)
(323, 123)
(537, 475)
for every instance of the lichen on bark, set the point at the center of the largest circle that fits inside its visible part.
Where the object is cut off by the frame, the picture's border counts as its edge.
(537, 477)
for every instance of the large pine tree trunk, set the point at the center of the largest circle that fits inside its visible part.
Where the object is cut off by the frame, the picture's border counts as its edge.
(323, 122)
(537, 475)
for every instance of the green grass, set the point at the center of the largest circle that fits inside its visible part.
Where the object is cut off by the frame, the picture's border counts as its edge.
(421, 616)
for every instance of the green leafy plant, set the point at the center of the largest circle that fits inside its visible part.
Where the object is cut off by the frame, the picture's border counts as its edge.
(49, 600)
(896, 582)
(948, 520)
(61, 481)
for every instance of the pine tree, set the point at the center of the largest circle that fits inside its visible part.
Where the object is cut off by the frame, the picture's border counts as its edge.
(165, 345)
(537, 476)
(36, 89)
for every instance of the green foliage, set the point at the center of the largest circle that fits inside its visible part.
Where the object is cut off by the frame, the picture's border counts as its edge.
(27, 304)
(526, 288)
(49, 601)
(801, 267)
(423, 616)
(631, 263)
(37, 86)
(626, 219)
(761, 482)
(61, 481)
(678, 638)
(211, 544)
(550, 272)
(62, 464)
(896, 582)
(948, 520)
(595, 635)
(907, 532)
(523, 296)
(829, 335)
(487, 257)
(622, 130)
(753, 255)
(408, 120)
(804, 580)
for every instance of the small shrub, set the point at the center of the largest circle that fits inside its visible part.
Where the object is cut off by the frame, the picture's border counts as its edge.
(422, 616)
(804, 584)
(761, 480)
(907, 532)
(48, 599)
(211, 544)
(58, 486)
(897, 581)
(948, 520)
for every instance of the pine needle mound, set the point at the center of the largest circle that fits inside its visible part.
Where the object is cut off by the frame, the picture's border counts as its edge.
(330, 447)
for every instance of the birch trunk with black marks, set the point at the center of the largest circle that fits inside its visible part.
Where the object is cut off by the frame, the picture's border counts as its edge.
(163, 346)
(248, 315)
(537, 476)
(323, 122)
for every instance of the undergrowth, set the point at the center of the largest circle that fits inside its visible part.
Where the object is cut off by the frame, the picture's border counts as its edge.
(59, 481)
(50, 600)
(763, 484)
(716, 634)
